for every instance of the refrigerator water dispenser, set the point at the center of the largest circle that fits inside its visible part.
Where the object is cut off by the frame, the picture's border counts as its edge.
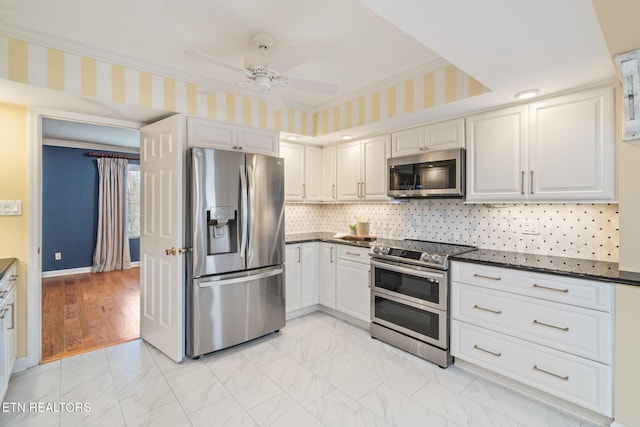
(222, 224)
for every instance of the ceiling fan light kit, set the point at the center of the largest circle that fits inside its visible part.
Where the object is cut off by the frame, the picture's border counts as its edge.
(263, 71)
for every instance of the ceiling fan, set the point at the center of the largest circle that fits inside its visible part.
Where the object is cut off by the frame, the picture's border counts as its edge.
(265, 72)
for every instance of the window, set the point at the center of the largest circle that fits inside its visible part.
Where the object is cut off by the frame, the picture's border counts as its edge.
(133, 201)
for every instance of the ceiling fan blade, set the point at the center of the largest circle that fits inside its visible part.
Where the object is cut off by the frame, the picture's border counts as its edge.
(313, 86)
(287, 60)
(201, 55)
(274, 100)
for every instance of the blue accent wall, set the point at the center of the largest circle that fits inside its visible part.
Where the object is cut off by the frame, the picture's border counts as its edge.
(70, 208)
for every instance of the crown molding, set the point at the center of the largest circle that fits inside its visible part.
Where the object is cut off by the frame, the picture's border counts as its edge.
(421, 70)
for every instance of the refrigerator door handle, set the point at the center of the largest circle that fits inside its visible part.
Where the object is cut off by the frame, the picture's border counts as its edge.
(252, 217)
(245, 208)
(243, 278)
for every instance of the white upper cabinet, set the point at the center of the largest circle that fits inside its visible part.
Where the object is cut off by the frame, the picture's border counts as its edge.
(495, 155)
(294, 175)
(211, 134)
(258, 141)
(329, 192)
(349, 171)
(313, 174)
(558, 149)
(302, 172)
(362, 169)
(437, 136)
(571, 147)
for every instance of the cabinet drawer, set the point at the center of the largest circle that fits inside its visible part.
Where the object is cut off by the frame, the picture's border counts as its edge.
(353, 253)
(576, 330)
(583, 382)
(550, 287)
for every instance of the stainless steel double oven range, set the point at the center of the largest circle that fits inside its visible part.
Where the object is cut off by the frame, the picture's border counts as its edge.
(410, 296)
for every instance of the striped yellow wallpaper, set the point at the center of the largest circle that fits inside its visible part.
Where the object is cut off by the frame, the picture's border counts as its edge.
(439, 87)
(29, 63)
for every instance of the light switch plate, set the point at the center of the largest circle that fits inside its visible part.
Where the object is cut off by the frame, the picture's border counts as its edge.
(10, 207)
(531, 226)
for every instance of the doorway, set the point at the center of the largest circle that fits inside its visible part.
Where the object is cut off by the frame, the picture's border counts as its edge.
(74, 310)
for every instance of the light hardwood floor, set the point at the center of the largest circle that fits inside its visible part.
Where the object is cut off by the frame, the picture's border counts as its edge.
(84, 312)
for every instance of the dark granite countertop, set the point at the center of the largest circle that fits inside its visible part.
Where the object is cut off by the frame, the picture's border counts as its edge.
(322, 236)
(572, 267)
(5, 263)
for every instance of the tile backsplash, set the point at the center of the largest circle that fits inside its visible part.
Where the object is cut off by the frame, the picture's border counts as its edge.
(587, 231)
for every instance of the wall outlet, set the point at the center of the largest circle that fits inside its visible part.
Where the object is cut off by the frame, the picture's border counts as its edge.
(58, 256)
(531, 226)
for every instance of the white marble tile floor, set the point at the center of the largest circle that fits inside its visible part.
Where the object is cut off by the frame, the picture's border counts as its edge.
(317, 371)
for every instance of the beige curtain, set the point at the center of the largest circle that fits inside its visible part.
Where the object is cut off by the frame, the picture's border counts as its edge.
(112, 245)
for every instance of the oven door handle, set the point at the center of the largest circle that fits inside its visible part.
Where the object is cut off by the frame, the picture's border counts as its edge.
(407, 270)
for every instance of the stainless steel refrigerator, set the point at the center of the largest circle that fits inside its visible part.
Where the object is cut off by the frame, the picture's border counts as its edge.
(235, 272)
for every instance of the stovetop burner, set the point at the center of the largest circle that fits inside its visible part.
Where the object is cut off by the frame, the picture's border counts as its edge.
(418, 252)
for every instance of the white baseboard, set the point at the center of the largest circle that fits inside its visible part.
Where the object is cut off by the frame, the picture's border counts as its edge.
(80, 270)
(21, 364)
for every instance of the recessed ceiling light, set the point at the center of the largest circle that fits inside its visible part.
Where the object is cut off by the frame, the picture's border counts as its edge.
(292, 138)
(347, 137)
(526, 94)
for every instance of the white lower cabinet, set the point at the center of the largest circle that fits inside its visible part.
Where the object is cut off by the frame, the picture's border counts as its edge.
(327, 289)
(333, 275)
(575, 379)
(301, 274)
(8, 336)
(551, 333)
(353, 295)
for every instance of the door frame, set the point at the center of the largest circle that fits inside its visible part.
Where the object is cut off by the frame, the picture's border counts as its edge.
(34, 212)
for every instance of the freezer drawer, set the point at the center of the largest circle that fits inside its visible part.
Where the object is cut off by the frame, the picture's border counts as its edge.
(233, 308)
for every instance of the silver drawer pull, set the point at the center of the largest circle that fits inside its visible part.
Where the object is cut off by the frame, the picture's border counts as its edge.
(562, 377)
(486, 277)
(493, 353)
(487, 309)
(535, 285)
(353, 253)
(551, 326)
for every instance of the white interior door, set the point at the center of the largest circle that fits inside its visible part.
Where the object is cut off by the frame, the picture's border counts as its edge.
(162, 272)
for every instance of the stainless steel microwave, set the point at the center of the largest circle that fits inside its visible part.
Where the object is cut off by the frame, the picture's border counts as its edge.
(434, 174)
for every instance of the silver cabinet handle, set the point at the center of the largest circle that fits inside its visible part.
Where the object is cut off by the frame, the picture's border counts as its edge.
(13, 319)
(299, 254)
(304, 191)
(493, 353)
(550, 326)
(486, 277)
(477, 307)
(331, 254)
(562, 377)
(522, 182)
(535, 285)
(531, 183)
(352, 253)
(333, 191)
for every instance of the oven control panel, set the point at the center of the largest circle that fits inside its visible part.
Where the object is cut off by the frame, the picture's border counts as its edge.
(404, 255)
